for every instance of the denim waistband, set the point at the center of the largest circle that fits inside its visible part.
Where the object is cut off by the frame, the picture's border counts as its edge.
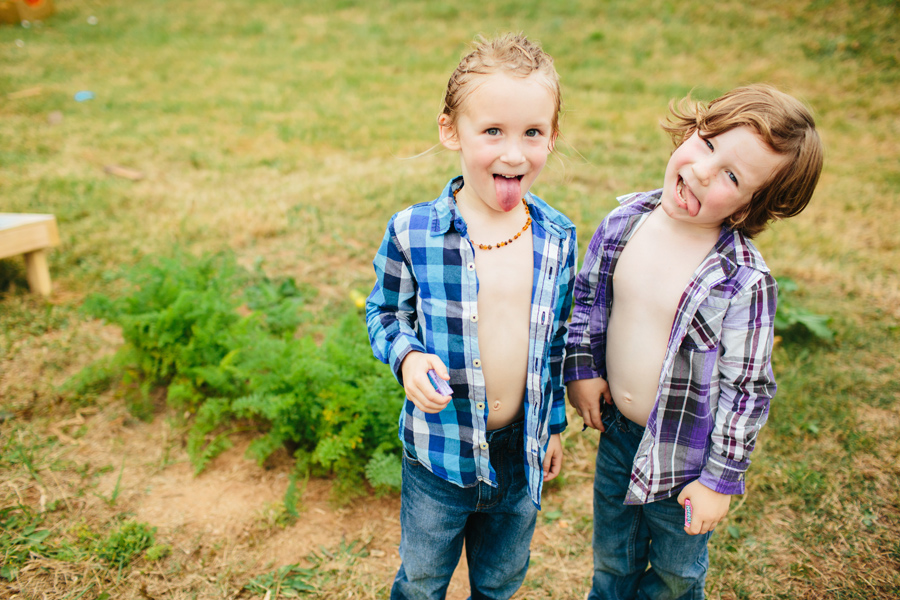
(612, 416)
(509, 435)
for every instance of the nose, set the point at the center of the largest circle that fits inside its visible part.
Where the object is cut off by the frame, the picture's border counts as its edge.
(512, 153)
(702, 170)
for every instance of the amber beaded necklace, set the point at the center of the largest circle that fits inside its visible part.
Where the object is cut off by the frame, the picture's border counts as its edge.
(510, 240)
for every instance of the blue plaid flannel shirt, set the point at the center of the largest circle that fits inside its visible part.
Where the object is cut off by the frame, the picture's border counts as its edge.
(425, 299)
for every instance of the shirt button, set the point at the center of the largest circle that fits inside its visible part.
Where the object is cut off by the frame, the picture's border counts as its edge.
(476, 363)
(484, 445)
(474, 318)
(471, 266)
(480, 406)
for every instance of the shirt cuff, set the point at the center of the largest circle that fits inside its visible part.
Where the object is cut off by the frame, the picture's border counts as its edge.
(724, 476)
(579, 364)
(402, 346)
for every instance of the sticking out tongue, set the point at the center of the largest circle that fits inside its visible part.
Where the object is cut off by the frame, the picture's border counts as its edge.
(692, 205)
(509, 192)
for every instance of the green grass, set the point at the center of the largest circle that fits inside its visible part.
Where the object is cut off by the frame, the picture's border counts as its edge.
(285, 131)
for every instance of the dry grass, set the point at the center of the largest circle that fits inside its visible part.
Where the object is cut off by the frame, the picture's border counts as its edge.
(282, 131)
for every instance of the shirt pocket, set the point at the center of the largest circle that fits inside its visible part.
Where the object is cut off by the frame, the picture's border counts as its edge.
(705, 330)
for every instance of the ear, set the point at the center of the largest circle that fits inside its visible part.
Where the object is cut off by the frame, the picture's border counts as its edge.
(447, 133)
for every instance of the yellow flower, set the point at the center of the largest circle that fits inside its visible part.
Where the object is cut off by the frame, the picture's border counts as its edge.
(358, 299)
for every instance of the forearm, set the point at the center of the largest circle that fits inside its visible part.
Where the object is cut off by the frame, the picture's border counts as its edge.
(391, 307)
(566, 287)
(746, 386)
(580, 362)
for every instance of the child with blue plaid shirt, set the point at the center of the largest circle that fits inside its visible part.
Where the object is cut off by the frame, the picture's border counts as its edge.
(476, 286)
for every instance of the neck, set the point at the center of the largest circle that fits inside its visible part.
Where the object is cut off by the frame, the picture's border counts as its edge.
(705, 233)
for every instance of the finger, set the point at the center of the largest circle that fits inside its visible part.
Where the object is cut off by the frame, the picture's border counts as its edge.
(429, 406)
(438, 365)
(426, 398)
(436, 402)
(593, 418)
(552, 469)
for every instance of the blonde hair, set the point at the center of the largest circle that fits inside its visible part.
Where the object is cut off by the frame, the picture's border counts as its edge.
(783, 123)
(512, 54)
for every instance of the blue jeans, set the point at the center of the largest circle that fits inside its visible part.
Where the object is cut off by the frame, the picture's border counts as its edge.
(496, 523)
(628, 538)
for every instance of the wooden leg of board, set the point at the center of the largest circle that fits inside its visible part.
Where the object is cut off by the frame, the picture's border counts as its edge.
(38, 272)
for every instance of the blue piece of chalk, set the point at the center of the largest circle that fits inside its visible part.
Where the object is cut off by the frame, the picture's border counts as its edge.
(439, 384)
(84, 95)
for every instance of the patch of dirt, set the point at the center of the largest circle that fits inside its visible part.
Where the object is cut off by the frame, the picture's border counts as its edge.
(225, 525)
(231, 507)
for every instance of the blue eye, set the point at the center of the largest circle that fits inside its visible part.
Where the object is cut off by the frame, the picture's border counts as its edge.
(533, 133)
(709, 144)
(732, 178)
(492, 131)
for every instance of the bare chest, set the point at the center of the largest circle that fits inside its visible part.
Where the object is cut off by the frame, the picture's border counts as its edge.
(655, 268)
(505, 277)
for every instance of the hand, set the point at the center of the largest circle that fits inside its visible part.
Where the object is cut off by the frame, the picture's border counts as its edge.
(588, 396)
(554, 457)
(708, 507)
(417, 384)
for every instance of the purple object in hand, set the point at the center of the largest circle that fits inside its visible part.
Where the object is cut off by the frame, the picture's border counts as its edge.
(440, 385)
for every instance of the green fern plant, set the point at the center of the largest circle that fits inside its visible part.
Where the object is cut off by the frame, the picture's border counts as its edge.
(222, 342)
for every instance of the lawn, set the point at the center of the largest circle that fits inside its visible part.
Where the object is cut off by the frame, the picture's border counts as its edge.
(284, 135)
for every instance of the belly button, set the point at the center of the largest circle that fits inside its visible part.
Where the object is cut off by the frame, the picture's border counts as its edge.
(497, 405)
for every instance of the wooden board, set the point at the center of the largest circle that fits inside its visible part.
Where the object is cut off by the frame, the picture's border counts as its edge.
(30, 235)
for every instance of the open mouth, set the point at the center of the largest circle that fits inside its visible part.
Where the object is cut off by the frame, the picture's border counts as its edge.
(686, 198)
(509, 190)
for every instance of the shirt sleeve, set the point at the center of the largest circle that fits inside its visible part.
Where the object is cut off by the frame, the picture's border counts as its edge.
(579, 362)
(566, 283)
(746, 385)
(391, 307)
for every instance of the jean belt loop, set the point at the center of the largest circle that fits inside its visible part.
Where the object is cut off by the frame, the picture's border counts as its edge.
(621, 422)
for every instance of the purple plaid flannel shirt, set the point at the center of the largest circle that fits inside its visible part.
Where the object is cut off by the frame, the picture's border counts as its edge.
(716, 379)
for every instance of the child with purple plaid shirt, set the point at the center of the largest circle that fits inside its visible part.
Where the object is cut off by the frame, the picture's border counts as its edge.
(676, 371)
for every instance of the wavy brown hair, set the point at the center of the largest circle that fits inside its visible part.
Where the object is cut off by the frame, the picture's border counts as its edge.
(513, 54)
(783, 123)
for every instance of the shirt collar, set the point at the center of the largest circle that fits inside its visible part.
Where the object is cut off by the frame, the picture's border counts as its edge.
(734, 248)
(446, 214)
